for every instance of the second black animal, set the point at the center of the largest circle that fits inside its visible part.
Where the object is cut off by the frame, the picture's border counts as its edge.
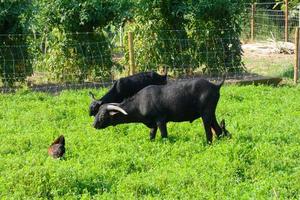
(126, 87)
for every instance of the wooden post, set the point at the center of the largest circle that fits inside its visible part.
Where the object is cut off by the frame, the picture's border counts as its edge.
(296, 67)
(286, 24)
(131, 54)
(299, 17)
(121, 36)
(252, 20)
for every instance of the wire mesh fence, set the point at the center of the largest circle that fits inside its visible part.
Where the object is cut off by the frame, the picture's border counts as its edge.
(268, 37)
(184, 54)
(268, 22)
(55, 61)
(90, 59)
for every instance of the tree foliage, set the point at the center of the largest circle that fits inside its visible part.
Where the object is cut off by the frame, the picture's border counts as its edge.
(214, 27)
(188, 34)
(73, 15)
(157, 26)
(178, 33)
(13, 15)
(78, 55)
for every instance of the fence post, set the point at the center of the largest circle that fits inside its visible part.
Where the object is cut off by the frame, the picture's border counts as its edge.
(121, 36)
(299, 16)
(131, 54)
(296, 67)
(252, 20)
(286, 24)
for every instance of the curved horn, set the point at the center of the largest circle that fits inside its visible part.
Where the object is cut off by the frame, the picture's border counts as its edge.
(116, 108)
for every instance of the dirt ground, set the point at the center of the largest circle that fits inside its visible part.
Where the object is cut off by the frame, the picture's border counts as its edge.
(269, 59)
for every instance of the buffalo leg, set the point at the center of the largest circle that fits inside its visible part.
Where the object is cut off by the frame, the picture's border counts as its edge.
(153, 133)
(207, 121)
(163, 129)
(216, 126)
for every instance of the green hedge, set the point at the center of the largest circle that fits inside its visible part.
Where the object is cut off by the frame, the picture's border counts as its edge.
(188, 34)
(14, 63)
(182, 34)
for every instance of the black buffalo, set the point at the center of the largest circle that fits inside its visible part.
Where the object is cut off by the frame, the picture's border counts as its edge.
(126, 87)
(156, 105)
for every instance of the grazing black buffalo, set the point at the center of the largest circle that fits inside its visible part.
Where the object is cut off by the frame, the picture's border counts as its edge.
(126, 87)
(156, 105)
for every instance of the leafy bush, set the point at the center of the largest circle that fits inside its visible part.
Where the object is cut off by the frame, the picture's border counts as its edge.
(66, 55)
(214, 27)
(72, 15)
(49, 47)
(188, 34)
(159, 33)
(182, 34)
(72, 57)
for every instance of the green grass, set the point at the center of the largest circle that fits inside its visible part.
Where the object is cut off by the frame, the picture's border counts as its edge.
(260, 161)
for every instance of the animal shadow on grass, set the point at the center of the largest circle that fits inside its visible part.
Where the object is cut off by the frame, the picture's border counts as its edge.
(181, 137)
(96, 185)
(247, 139)
(172, 139)
(237, 98)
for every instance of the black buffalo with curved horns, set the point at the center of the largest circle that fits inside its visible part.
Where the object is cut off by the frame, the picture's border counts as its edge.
(156, 105)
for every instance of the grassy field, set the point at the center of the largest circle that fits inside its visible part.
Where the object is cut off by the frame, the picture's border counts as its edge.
(260, 161)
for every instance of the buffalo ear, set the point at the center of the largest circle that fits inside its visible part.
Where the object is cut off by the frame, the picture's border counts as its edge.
(222, 124)
(92, 95)
(223, 127)
(166, 71)
(98, 102)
